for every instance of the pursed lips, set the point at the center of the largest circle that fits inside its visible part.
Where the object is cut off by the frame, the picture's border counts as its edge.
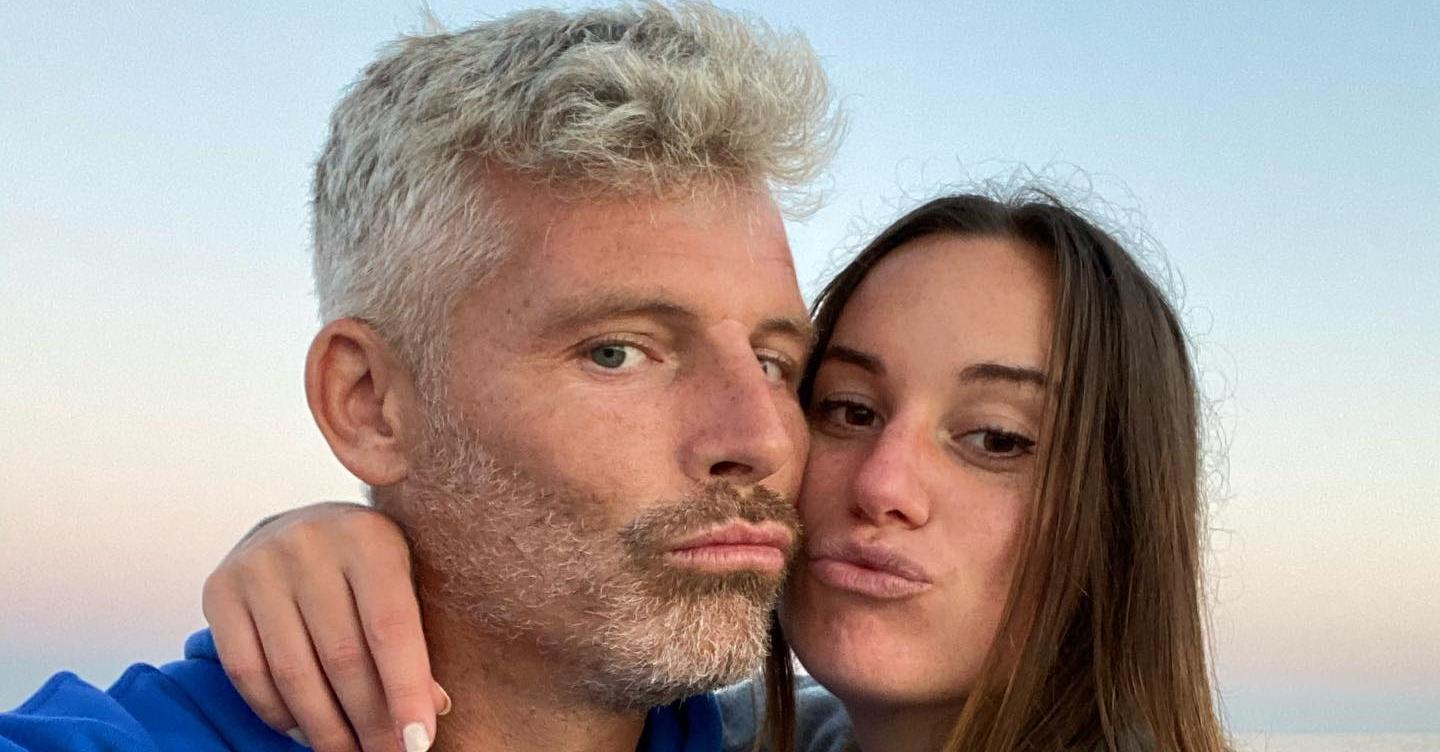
(867, 568)
(737, 545)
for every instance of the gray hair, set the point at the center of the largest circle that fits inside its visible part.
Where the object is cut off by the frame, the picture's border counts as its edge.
(632, 100)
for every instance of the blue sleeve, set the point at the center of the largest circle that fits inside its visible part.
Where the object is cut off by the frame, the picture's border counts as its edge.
(70, 715)
(185, 706)
(214, 709)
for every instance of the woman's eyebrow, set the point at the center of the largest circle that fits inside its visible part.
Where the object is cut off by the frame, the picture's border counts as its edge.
(858, 358)
(991, 371)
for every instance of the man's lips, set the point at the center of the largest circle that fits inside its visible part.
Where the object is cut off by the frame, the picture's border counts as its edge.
(868, 569)
(735, 546)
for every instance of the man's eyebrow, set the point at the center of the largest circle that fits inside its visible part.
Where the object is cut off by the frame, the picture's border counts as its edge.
(858, 358)
(580, 311)
(798, 328)
(598, 307)
(990, 371)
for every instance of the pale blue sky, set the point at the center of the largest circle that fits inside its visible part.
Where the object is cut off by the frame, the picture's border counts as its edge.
(154, 291)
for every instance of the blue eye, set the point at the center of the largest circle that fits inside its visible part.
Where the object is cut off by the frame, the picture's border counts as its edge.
(614, 355)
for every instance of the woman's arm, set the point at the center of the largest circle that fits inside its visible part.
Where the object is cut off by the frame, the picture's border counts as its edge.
(315, 618)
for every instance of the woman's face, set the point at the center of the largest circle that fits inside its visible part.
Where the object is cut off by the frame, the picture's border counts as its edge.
(925, 418)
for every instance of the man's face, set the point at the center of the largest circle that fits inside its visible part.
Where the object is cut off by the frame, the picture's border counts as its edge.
(611, 453)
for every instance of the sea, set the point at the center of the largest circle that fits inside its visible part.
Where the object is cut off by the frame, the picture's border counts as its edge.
(1264, 742)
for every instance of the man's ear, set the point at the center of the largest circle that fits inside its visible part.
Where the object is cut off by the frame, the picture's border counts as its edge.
(363, 400)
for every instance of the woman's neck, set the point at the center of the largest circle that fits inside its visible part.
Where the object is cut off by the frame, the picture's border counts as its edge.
(891, 728)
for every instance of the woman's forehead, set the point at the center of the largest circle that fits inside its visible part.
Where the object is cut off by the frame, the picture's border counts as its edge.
(947, 300)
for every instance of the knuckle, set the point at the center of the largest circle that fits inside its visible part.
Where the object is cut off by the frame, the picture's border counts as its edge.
(245, 674)
(299, 542)
(372, 527)
(216, 583)
(393, 556)
(290, 673)
(303, 532)
(253, 566)
(389, 627)
(344, 656)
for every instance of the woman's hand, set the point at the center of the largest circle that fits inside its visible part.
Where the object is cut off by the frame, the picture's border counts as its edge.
(315, 618)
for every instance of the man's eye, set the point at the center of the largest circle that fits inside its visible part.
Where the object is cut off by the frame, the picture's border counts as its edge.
(997, 443)
(773, 370)
(616, 356)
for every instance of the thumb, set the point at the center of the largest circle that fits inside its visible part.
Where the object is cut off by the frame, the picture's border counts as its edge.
(441, 697)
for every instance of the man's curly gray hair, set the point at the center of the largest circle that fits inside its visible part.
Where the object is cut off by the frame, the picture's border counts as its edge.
(632, 100)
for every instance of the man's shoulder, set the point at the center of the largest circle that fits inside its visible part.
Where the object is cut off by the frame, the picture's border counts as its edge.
(185, 705)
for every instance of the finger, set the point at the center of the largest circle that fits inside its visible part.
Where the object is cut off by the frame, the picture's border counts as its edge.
(327, 607)
(243, 658)
(390, 613)
(296, 672)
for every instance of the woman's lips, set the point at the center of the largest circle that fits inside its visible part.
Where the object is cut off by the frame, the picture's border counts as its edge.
(867, 569)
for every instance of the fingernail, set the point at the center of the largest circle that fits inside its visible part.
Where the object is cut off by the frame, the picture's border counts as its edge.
(417, 739)
(298, 736)
(446, 708)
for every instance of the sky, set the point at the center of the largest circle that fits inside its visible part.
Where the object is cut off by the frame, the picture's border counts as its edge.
(1276, 163)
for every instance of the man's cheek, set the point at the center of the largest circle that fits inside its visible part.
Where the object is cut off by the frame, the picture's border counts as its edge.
(615, 447)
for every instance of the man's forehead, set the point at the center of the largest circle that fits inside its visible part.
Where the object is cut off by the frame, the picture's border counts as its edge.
(731, 240)
(743, 214)
(706, 255)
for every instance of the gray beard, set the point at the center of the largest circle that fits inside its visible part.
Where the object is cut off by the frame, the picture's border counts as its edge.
(519, 559)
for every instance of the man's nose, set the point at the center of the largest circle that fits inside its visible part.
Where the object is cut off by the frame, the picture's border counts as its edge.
(735, 429)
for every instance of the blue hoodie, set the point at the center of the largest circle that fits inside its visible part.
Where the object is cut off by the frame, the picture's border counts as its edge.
(190, 706)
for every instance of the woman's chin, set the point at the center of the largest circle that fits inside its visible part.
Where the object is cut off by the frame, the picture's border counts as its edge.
(886, 689)
(871, 657)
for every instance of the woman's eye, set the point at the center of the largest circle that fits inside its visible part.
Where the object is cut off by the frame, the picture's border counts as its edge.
(850, 414)
(999, 443)
(615, 356)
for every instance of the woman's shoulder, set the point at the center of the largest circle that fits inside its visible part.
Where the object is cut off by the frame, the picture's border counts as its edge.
(820, 721)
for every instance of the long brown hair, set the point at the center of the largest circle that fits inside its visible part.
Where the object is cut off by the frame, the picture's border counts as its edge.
(1101, 645)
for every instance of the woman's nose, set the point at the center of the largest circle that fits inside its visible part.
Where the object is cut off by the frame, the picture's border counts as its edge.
(887, 489)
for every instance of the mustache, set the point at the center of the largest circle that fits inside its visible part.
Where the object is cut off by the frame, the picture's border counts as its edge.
(650, 535)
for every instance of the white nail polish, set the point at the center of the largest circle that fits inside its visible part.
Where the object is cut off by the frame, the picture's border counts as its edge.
(298, 736)
(417, 739)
